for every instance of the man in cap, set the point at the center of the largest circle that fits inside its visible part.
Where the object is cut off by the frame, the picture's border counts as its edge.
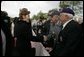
(51, 29)
(71, 36)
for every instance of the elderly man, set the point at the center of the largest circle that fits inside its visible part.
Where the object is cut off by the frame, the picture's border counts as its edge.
(51, 29)
(71, 36)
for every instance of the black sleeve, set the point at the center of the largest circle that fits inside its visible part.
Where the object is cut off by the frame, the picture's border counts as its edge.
(45, 28)
(73, 42)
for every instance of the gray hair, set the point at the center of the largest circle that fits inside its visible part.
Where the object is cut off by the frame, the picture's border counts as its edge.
(70, 15)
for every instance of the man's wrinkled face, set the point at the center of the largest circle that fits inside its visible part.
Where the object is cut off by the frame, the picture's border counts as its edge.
(63, 17)
(54, 18)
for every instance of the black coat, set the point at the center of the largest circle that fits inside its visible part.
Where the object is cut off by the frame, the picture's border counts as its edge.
(72, 41)
(5, 26)
(23, 33)
(46, 28)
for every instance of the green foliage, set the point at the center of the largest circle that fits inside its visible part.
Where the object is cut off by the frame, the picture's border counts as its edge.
(40, 15)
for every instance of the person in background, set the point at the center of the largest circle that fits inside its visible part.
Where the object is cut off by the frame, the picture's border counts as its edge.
(3, 43)
(6, 29)
(39, 29)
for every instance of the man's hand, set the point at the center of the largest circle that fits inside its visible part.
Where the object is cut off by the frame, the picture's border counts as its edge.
(45, 38)
(49, 49)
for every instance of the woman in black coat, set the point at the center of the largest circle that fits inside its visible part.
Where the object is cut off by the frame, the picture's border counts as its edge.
(23, 33)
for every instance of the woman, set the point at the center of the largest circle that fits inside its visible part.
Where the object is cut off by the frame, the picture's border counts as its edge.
(23, 33)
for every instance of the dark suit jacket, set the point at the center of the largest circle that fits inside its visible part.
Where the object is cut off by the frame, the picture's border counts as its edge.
(72, 41)
(46, 27)
(45, 31)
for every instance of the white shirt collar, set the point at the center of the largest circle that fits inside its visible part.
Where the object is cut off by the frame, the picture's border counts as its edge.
(66, 23)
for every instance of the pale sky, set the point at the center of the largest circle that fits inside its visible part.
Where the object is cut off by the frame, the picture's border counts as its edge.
(13, 7)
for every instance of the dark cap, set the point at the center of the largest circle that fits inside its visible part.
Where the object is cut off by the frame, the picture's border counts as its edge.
(53, 12)
(67, 10)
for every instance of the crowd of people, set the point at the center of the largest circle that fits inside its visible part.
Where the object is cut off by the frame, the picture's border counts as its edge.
(60, 34)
